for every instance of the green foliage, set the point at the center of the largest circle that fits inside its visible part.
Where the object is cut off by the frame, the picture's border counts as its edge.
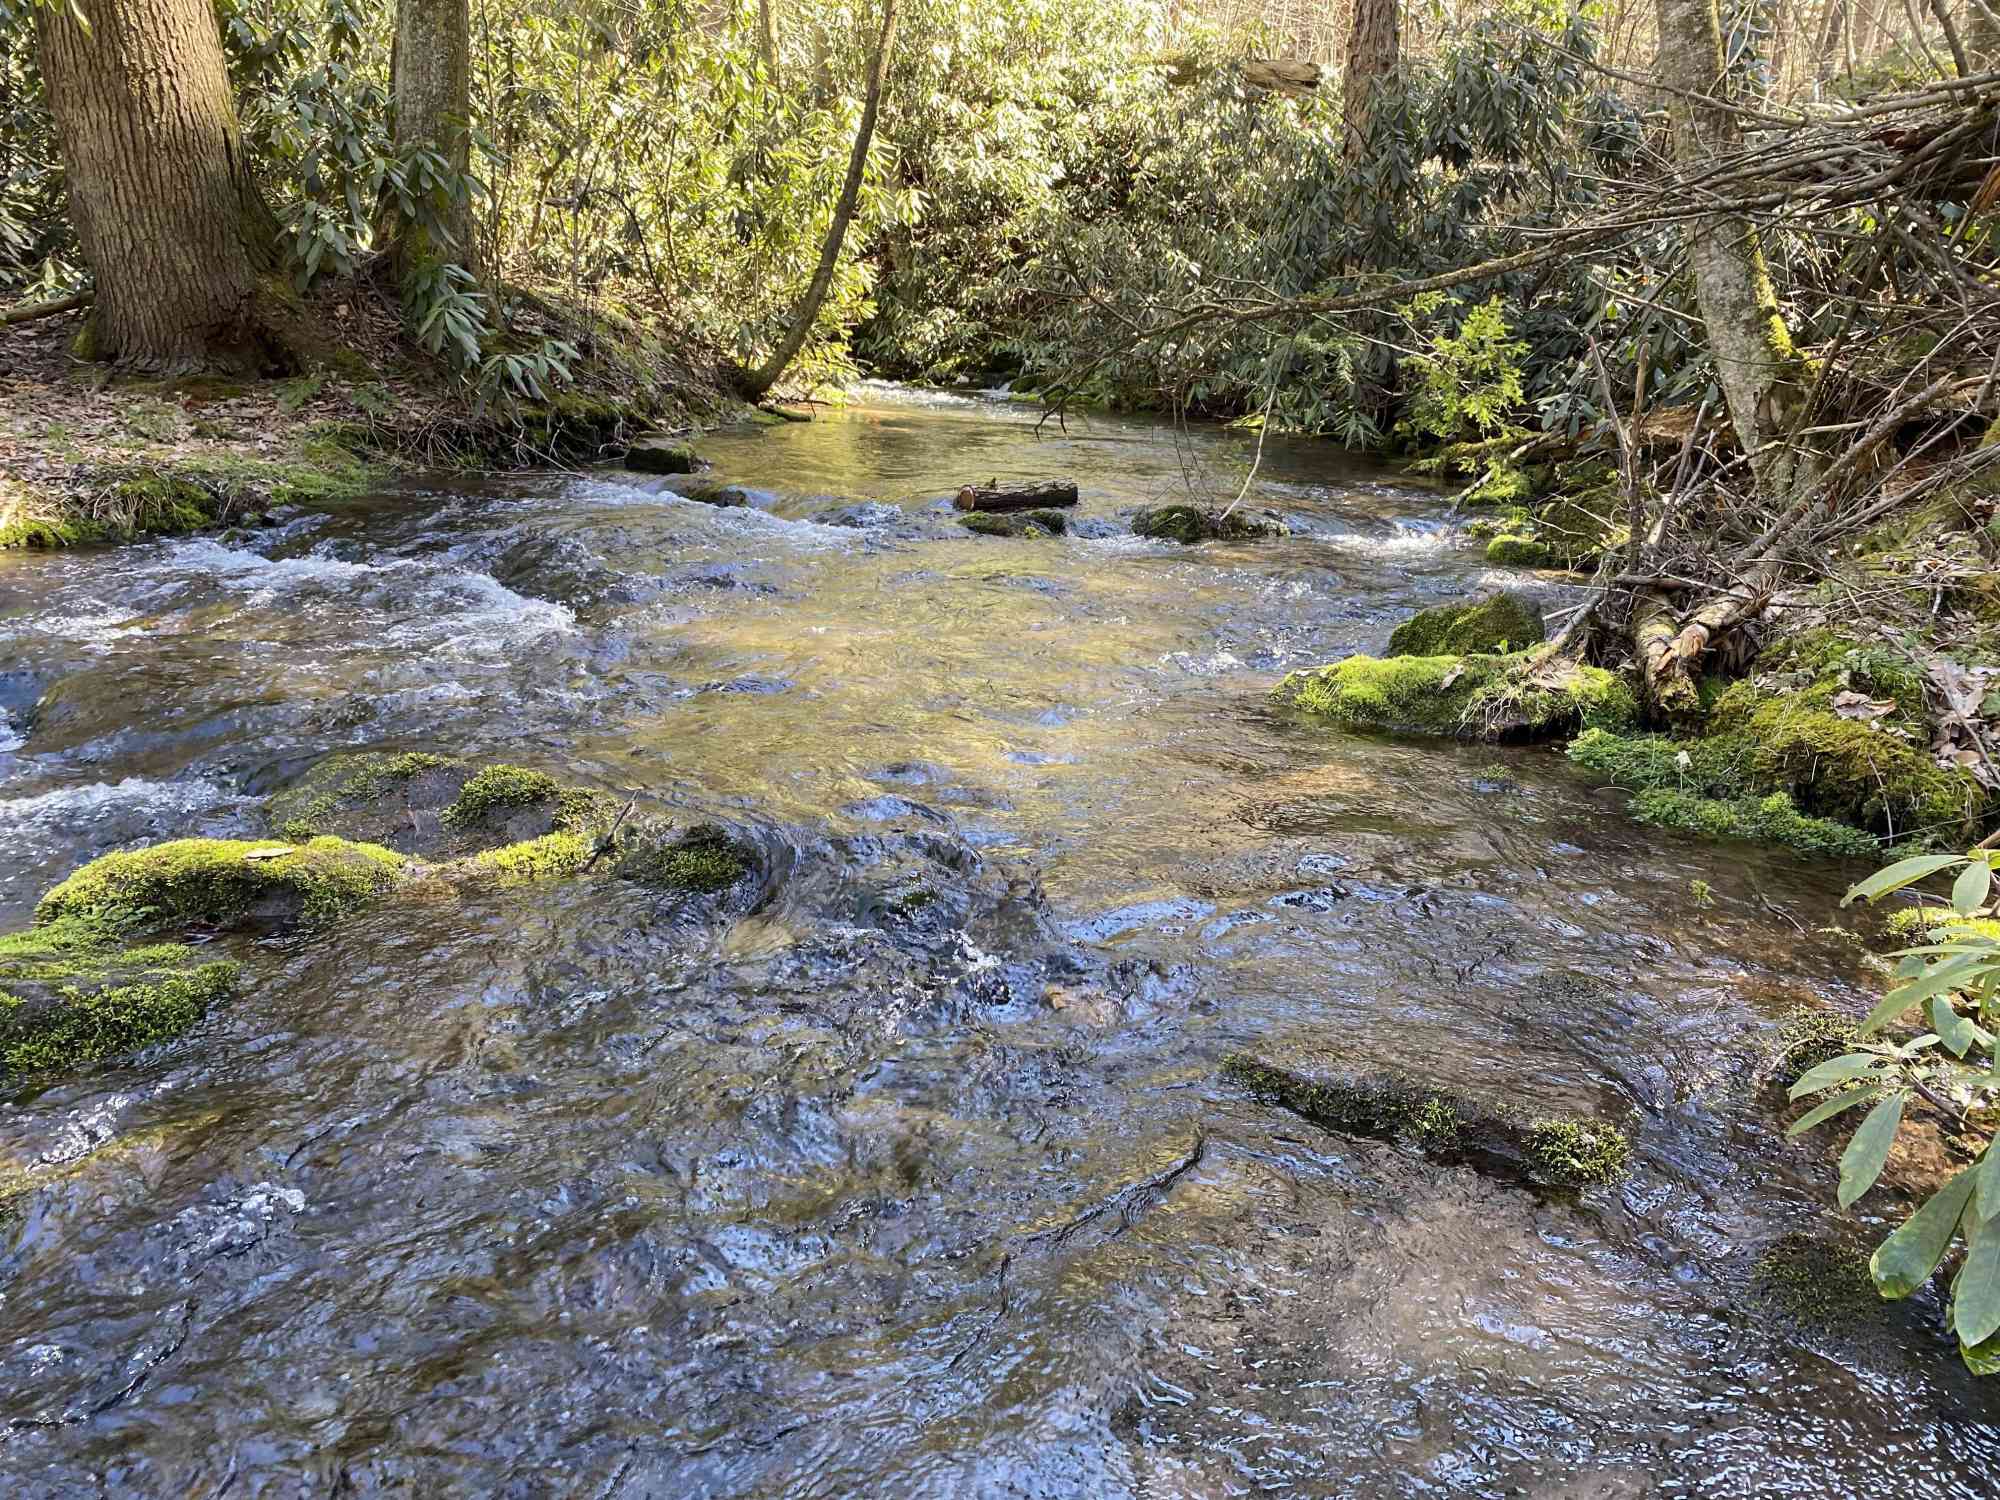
(1579, 1153)
(1467, 384)
(1952, 979)
(501, 786)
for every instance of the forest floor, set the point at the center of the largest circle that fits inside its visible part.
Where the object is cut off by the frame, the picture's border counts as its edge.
(85, 456)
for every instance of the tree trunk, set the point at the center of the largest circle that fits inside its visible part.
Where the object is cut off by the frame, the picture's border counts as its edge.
(181, 247)
(1373, 47)
(1026, 495)
(755, 383)
(1761, 375)
(767, 40)
(430, 85)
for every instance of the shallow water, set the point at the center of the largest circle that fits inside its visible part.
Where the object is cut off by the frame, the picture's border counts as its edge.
(579, 1192)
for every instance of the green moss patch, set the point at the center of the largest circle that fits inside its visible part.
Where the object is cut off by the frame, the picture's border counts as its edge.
(1465, 697)
(73, 1025)
(704, 860)
(1819, 1284)
(553, 856)
(1557, 1152)
(224, 882)
(1495, 625)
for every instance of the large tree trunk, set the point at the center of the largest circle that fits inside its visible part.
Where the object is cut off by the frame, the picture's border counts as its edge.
(1759, 371)
(430, 86)
(180, 245)
(1373, 47)
(1761, 375)
(755, 383)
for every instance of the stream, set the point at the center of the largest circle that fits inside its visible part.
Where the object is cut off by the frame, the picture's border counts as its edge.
(914, 1174)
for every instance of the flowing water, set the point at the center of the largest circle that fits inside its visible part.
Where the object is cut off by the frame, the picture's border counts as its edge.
(914, 1174)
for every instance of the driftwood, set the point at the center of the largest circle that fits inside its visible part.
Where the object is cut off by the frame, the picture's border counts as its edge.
(998, 496)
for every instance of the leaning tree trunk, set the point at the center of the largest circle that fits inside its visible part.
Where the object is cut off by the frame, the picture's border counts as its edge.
(1762, 376)
(430, 87)
(180, 245)
(756, 383)
(1373, 47)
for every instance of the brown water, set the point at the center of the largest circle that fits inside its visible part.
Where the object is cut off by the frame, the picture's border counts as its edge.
(577, 1192)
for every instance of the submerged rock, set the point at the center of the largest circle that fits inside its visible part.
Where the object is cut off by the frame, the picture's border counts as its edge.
(1547, 1151)
(709, 490)
(1024, 523)
(71, 992)
(1499, 623)
(1188, 524)
(704, 860)
(1466, 697)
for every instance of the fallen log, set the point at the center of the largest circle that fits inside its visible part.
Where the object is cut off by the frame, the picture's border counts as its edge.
(998, 496)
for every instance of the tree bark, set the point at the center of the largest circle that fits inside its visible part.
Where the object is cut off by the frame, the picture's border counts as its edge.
(755, 383)
(1755, 363)
(181, 247)
(1023, 496)
(1761, 375)
(767, 40)
(430, 86)
(1373, 48)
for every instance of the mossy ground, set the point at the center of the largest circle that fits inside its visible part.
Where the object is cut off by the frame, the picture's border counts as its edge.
(1560, 1152)
(1495, 625)
(1513, 697)
(113, 459)
(1776, 759)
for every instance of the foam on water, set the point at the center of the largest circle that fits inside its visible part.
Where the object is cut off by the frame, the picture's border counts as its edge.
(72, 807)
(442, 604)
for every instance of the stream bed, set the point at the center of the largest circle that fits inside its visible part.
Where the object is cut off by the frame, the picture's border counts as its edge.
(913, 1174)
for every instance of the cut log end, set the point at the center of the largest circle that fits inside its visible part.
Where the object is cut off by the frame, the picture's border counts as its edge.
(997, 496)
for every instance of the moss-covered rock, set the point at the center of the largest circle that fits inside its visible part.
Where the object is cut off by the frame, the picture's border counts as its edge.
(73, 992)
(434, 805)
(705, 860)
(553, 856)
(71, 1025)
(1516, 697)
(1188, 524)
(1512, 549)
(1559, 1151)
(1845, 768)
(1023, 523)
(662, 455)
(224, 883)
(1495, 625)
